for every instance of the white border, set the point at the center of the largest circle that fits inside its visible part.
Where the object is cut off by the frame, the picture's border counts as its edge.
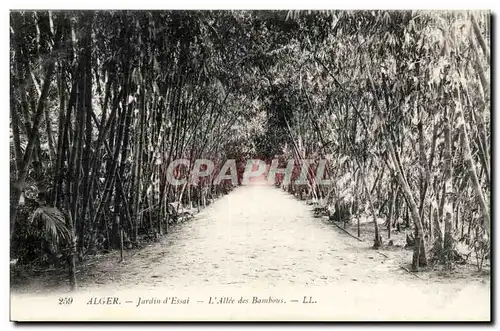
(190, 4)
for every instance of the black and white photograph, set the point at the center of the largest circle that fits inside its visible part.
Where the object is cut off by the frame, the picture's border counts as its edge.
(250, 165)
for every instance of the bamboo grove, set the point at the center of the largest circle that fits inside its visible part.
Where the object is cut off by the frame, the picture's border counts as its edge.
(102, 101)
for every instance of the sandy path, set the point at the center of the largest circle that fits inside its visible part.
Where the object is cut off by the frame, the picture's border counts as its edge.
(259, 234)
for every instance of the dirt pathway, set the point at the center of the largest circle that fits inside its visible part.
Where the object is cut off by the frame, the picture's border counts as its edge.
(255, 235)
(259, 237)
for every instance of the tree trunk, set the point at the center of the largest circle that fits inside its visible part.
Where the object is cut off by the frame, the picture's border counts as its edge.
(392, 205)
(377, 242)
(480, 38)
(419, 255)
(72, 255)
(23, 171)
(473, 174)
(448, 245)
(86, 127)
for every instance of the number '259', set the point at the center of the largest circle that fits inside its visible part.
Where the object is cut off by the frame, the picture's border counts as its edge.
(65, 301)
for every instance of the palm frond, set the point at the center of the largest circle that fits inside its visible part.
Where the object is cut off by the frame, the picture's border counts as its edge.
(53, 221)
